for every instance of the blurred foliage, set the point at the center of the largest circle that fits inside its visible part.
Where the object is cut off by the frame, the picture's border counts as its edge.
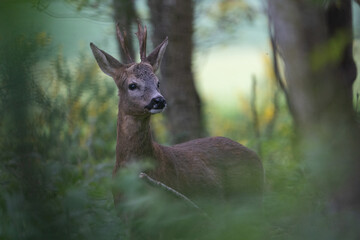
(53, 156)
(216, 21)
(329, 53)
(220, 21)
(57, 149)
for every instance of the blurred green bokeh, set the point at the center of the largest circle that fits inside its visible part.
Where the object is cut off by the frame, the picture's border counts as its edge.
(57, 149)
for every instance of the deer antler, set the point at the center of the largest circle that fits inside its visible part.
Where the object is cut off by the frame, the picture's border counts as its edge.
(122, 38)
(142, 34)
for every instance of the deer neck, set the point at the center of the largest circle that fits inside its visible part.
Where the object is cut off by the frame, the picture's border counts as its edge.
(134, 140)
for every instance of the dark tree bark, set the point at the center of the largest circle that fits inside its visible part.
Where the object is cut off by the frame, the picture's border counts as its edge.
(184, 114)
(125, 15)
(315, 43)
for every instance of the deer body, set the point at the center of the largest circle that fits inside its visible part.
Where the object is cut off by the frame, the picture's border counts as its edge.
(196, 168)
(207, 166)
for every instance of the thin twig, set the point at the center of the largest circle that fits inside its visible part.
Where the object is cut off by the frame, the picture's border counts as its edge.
(171, 190)
(255, 115)
(276, 64)
(277, 69)
(271, 124)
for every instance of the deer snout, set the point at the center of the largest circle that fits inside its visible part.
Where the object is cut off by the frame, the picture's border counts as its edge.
(160, 102)
(156, 104)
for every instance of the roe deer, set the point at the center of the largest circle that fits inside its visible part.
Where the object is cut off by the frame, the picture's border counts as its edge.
(214, 166)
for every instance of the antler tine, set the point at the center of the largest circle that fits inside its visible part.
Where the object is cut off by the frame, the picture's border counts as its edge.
(121, 39)
(142, 34)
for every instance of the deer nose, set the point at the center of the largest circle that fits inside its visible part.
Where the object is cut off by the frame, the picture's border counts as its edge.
(159, 102)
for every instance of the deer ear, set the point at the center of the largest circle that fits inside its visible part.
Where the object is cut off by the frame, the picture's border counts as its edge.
(157, 54)
(106, 62)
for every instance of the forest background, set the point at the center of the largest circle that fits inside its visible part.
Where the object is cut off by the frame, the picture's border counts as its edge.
(58, 120)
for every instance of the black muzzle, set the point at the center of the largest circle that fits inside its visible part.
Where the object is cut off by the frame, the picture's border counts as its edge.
(156, 103)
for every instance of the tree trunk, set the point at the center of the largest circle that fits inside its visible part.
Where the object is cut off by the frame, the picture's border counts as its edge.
(316, 45)
(184, 114)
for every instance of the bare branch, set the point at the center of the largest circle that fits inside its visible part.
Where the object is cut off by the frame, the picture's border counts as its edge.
(255, 116)
(276, 67)
(171, 190)
(142, 35)
(122, 38)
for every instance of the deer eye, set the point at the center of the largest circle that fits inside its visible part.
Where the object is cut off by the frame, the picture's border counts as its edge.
(132, 86)
(158, 84)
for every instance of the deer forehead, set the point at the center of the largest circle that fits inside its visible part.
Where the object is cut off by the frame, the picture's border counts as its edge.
(142, 71)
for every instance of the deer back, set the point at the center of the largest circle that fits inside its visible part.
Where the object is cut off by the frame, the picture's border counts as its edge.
(209, 166)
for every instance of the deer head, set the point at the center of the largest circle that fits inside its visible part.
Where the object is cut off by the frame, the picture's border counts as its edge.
(137, 83)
